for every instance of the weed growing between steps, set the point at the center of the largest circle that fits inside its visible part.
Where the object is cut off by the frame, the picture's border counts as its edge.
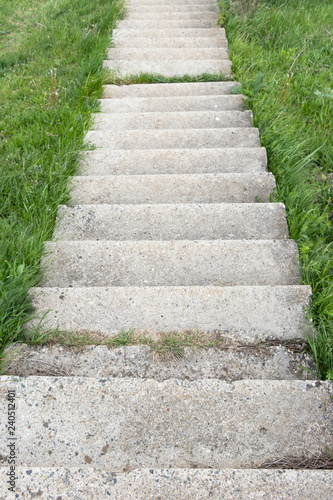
(164, 344)
(114, 79)
(282, 55)
(51, 54)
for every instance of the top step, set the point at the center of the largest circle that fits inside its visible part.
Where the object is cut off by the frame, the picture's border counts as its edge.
(169, 89)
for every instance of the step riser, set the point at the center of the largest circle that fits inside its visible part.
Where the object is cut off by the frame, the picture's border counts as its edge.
(176, 161)
(250, 312)
(171, 263)
(130, 33)
(130, 418)
(266, 363)
(174, 103)
(172, 120)
(148, 9)
(172, 222)
(174, 43)
(157, 3)
(168, 15)
(174, 138)
(170, 69)
(218, 188)
(174, 483)
(170, 54)
(168, 90)
(166, 24)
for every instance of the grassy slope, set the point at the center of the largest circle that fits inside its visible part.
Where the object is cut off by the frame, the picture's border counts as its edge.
(51, 54)
(282, 55)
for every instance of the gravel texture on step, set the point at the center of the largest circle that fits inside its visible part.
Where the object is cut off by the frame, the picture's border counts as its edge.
(174, 103)
(130, 33)
(185, 188)
(258, 311)
(229, 364)
(171, 15)
(173, 120)
(174, 138)
(160, 54)
(117, 423)
(172, 42)
(188, 484)
(168, 89)
(170, 2)
(229, 221)
(161, 24)
(169, 69)
(176, 161)
(158, 7)
(171, 263)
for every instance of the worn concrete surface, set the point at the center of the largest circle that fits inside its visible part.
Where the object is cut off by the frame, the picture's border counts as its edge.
(114, 423)
(169, 89)
(174, 138)
(185, 188)
(171, 15)
(202, 102)
(189, 484)
(258, 311)
(173, 222)
(173, 42)
(131, 33)
(173, 120)
(171, 263)
(230, 362)
(176, 161)
(161, 54)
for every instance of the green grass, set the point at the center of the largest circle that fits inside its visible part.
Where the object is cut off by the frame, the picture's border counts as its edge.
(114, 79)
(164, 344)
(282, 55)
(51, 55)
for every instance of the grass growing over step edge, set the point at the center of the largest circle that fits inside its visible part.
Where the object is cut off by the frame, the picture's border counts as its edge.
(282, 55)
(115, 79)
(51, 54)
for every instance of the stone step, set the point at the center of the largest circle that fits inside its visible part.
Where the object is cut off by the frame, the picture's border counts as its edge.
(170, 54)
(115, 424)
(253, 313)
(173, 103)
(166, 7)
(173, 42)
(173, 120)
(169, 15)
(187, 484)
(170, 69)
(185, 188)
(168, 89)
(157, 3)
(175, 138)
(171, 263)
(229, 362)
(161, 24)
(173, 222)
(173, 161)
(130, 33)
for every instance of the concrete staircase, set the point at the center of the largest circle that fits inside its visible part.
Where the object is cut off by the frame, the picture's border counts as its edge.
(171, 229)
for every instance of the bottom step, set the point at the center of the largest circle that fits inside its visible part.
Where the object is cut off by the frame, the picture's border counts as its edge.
(186, 484)
(123, 424)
